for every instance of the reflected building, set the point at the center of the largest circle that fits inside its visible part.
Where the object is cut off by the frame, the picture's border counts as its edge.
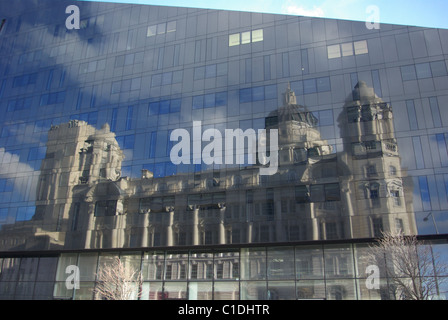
(316, 194)
(86, 172)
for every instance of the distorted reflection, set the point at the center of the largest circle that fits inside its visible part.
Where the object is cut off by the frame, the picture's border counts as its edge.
(318, 193)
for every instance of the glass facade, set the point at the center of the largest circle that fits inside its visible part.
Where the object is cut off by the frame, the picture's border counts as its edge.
(156, 129)
(312, 271)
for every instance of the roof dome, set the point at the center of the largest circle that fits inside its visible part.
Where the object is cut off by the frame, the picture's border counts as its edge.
(291, 111)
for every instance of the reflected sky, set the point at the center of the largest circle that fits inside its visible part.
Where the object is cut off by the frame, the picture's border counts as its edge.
(414, 12)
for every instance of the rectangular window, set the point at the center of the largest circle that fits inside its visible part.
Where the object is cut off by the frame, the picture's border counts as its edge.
(419, 160)
(245, 95)
(424, 193)
(323, 84)
(317, 193)
(152, 31)
(408, 73)
(25, 213)
(423, 70)
(245, 37)
(105, 208)
(377, 227)
(257, 35)
(309, 86)
(347, 49)
(443, 152)
(361, 47)
(234, 39)
(332, 192)
(435, 112)
(161, 28)
(113, 121)
(438, 68)
(334, 51)
(152, 145)
(377, 83)
(171, 26)
(129, 118)
(412, 116)
(50, 79)
(210, 71)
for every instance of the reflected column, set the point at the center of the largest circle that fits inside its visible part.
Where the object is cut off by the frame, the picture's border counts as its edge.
(90, 223)
(145, 232)
(195, 231)
(222, 230)
(169, 229)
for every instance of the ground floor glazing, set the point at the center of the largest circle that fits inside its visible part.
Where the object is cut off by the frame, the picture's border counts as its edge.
(333, 271)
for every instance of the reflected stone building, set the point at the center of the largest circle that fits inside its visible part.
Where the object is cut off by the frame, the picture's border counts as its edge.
(316, 194)
(86, 172)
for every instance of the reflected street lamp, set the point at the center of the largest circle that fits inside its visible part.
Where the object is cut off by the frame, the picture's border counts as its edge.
(433, 221)
(432, 253)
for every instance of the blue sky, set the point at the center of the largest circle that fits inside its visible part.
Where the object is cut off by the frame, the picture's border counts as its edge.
(427, 13)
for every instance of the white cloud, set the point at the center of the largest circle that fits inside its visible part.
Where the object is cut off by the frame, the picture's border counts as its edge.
(301, 11)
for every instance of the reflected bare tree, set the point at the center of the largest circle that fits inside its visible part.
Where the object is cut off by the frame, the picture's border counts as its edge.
(117, 281)
(410, 266)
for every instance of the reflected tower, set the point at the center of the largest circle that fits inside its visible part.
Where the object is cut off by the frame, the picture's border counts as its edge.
(78, 155)
(380, 193)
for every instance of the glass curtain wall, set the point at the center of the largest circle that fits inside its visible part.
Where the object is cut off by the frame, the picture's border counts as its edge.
(309, 272)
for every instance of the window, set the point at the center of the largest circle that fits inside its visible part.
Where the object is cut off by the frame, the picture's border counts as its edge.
(234, 39)
(408, 73)
(371, 170)
(395, 195)
(332, 192)
(377, 224)
(412, 116)
(245, 37)
(25, 80)
(311, 86)
(399, 225)
(161, 28)
(302, 194)
(438, 68)
(25, 213)
(331, 230)
(323, 84)
(258, 93)
(152, 31)
(361, 47)
(105, 208)
(374, 191)
(52, 98)
(347, 49)
(171, 26)
(164, 107)
(166, 78)
(423, 70)
(334, 51)
(210, 100)
(257, 35)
